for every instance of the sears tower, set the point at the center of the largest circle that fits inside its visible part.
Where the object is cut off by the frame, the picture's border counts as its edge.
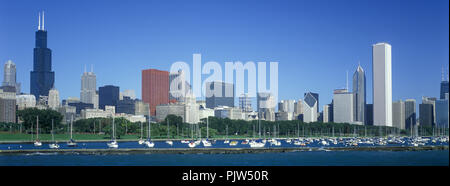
(42, 77)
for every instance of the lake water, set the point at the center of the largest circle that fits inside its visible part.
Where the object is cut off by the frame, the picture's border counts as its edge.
(307, 158)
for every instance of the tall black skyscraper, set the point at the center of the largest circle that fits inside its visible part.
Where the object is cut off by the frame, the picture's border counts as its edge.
(42, 78)
(108, 95)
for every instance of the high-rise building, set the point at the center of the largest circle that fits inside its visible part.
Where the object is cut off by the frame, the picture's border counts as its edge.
(442, 113)
(42, 78)
(9, 78)
(359, 94)
(328, 113)
(382, 84)
(298, 108)
(342, 106)
(219, 94)
(127, 93)
(286, 106)
(53, 99)
(369, 114)
(178, 86)
(432, 101)
(316, 96)
(426, 117)
(444, 85)
(141, 108)
(7, 106)
(126, 105)
(310, 105)
(245, 103)
(398, 114)
(266, 106)
(89, 88)
(108, 95)
(410, 113)
(155, 88)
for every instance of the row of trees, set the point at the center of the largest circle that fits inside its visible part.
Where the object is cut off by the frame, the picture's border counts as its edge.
(217, 127)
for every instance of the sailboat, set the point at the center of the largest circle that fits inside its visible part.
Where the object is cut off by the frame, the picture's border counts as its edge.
(71, 142)
(113, 143)
(226, 139)
(170, 142)
(192, 144)
(205, 142)
(148, 142)
(254, 143)
(141, 141)
(37, 143)
(53, 145)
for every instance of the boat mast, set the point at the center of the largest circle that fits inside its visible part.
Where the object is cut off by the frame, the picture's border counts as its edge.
(207, 128)
(53, 138)
(71, 126)
(167, 128)
(114, 133)
(37, 127)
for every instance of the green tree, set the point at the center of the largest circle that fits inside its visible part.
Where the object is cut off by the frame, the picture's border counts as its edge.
(29, 115)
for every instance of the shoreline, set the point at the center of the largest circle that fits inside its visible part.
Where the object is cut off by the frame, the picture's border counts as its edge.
(216, 150)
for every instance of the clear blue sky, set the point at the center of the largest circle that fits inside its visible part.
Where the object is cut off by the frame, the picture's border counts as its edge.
(315, 42)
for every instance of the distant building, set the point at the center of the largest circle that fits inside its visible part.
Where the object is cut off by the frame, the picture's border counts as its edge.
(219, 94)
(283, 116)
(298, 108)
(426, 114)
(68, 112)
(359, 94)
(316, 96)
(155, 88)
(343, 106)
(369, 114)
(328, 113)
(7, 106)
(141, 108)
(88, 91)
(245, 103)
(108, 95)
(127, 93)
(178, 86)
(53, 99)
(382, 84)
(188, 110)
(410, 113)
(444, 88)
(95, 113)
(398, 114)
(266, 106)
(9, 78)
(205, 112)
(126, 105)
(310, 105)
(80, 106)
(432, 101)
(442, 113)
(228, 112)
(24, 101)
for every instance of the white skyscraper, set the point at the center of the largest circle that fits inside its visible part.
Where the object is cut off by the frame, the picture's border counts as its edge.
(382, 84)
(343, 106)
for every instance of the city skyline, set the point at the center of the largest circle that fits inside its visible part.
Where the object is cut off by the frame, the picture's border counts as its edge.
(321, 86)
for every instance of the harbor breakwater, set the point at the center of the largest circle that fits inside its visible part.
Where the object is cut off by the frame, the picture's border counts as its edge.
(220, 150)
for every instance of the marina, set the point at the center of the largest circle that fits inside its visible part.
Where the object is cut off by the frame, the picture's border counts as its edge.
(353, 143)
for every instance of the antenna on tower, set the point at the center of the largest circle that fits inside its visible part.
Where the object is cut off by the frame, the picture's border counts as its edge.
(39, 26)
(92, 68)
(43, 20)
(346, 80)
(84, 68)
(443, 74)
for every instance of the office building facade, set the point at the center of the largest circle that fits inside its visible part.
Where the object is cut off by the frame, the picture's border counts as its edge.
(382, 84)
(155, 88)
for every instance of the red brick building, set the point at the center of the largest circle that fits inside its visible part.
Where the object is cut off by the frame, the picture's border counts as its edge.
(155, 88)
